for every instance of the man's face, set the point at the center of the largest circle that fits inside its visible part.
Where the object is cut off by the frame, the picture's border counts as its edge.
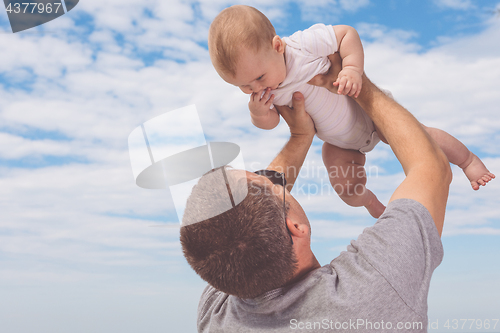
(257, 71)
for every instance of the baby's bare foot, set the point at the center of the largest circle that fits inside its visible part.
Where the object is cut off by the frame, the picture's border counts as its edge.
(374, 206)
(476, 172)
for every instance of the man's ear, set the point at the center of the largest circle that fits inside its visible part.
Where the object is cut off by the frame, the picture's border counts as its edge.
(297, 229)
(278, 44)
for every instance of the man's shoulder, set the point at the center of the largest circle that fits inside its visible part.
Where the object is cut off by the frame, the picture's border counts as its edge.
(404, 221)
(409, 203)
(404, 247)
(408, 210)
(209, 296)
(211, 301)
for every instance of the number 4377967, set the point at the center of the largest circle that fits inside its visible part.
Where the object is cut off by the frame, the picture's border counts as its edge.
(471, 323)
(33, 7)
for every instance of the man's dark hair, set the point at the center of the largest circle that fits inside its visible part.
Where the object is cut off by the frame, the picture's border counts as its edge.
(244, 251)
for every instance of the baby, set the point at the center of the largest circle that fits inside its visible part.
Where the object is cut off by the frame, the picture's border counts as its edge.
(247, 53)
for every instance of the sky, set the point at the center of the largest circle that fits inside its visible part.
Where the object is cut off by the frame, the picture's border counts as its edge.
(84, 249)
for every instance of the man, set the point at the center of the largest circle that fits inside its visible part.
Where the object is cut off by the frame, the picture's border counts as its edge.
(257, 257)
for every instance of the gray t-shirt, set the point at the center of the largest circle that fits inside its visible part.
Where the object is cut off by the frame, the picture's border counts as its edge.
(380, 284)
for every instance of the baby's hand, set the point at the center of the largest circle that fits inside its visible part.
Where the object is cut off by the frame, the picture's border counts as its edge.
(349, 82)
(259, 106)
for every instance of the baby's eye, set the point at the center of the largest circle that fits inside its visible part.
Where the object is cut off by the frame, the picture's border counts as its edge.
(260, 77)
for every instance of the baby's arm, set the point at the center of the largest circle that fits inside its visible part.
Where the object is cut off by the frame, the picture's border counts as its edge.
(260, 110)
(351, 52)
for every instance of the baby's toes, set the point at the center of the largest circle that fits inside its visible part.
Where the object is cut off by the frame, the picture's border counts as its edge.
(486, 178)
(475, 186)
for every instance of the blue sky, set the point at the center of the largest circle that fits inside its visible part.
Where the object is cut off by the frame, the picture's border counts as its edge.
(83, 249)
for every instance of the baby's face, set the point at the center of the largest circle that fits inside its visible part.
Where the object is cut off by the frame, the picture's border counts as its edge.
(260, 70)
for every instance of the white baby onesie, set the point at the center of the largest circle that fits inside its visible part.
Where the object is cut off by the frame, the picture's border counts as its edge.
(339, 120)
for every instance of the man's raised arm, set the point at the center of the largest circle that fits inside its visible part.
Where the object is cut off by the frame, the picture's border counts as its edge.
(291, 157)
(428, 173)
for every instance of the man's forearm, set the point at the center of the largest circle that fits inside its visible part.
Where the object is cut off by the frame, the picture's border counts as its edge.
(302, 131)
(404, 133)
(291, 157)
(428, 173)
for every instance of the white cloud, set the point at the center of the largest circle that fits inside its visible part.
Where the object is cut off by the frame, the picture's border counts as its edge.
(16, 147)
(392, 38)
(320, 11)
(351, 5)
(44, 55)
(455, 4)
(449, 86)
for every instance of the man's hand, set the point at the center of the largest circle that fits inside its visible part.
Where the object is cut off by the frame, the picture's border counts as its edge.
(260, 103)
(349, 82)
(297, 118)
(328, 79)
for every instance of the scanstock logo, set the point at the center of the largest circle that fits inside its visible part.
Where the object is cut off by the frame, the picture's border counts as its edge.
(26, 15)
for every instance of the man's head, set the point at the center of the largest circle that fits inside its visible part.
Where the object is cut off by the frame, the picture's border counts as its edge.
(246, 250)
(245, 50)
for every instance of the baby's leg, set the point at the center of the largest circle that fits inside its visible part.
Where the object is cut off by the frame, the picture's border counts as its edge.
(348, 178)
(458, 154)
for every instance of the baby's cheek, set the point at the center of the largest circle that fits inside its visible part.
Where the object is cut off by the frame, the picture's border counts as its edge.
(247, 91)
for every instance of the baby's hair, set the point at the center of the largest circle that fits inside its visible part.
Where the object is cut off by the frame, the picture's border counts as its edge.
(236, 27)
